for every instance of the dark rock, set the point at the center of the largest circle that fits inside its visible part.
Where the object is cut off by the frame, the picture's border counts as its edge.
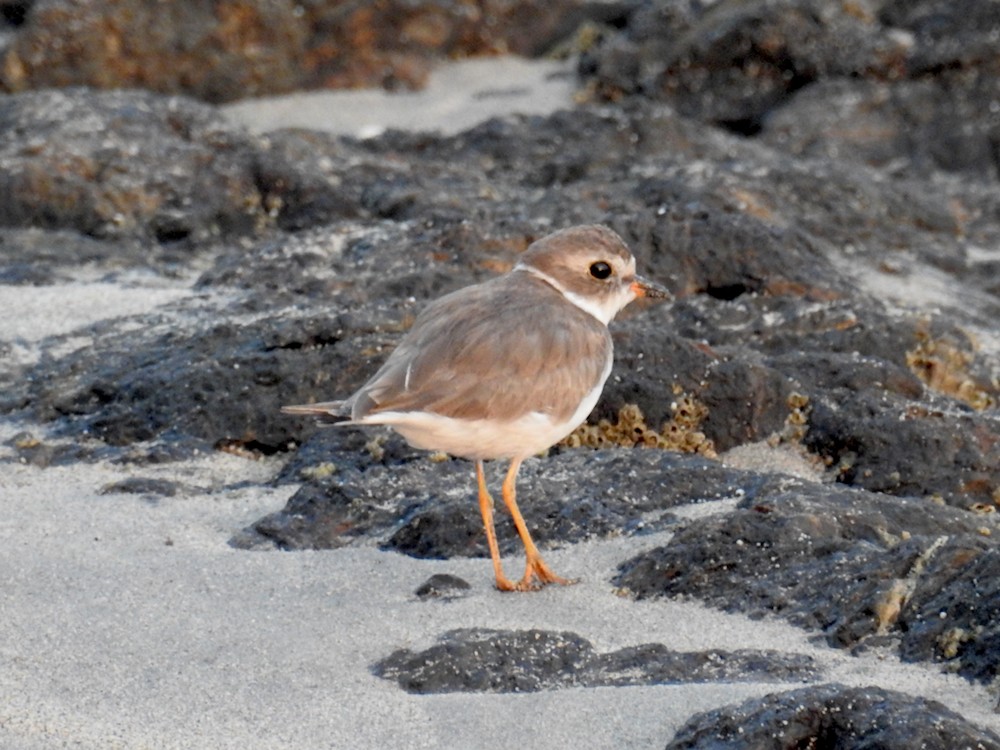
(330, 515)
(904, 86)
(953, 616)
(393, 44)
(355, 273)
(645, 362)
(521, 661)
(848, 563)
(215, 52)
(833, 716)
(335, 447)
(747, 402)
(848, 373)
(947, 34)
(129, 164)
(731, 62)
(885, 444)
(255, 47)
(296, 188)
(35, 257)
(217, 383)
(443, 586)
(715, 250)
(428, 509)
(916, 127)
(30, 449)
(752, 245)
(143, 486)
(68, 163)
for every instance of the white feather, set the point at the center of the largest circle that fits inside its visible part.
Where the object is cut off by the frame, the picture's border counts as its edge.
(488, 438)
(603, 309)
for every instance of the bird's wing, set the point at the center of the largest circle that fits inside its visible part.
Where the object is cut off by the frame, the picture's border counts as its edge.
(495, 350)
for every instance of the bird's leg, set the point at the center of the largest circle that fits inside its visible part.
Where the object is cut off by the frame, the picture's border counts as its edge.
(486, 508)
(536, 572)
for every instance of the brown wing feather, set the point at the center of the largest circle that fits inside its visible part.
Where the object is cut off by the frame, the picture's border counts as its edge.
(501, 349)
(326, 411)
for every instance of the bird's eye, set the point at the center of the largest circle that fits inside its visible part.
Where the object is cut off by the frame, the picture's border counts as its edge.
(600, 270)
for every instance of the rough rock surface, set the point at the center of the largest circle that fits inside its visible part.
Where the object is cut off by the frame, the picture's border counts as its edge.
(851, 564)
(222, 51)
(69, 161)
(427, 509)
(907, 86)
(772, 325)
(829, 223)
(443, 586)
(495, 661)
(833, 716)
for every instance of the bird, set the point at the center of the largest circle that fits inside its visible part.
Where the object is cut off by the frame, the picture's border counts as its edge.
(506, 368)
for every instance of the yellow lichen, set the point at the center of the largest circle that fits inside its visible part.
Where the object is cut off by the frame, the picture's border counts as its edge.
(319, 471)
(794, 432)
(944, 367)
(374, 447)
(26, 440)
(951, 640)
(890, 604)
(679, 433)
(587, 36)
(797, 421)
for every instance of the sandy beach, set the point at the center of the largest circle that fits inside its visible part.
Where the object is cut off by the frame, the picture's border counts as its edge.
(458, 96)
(131, 623)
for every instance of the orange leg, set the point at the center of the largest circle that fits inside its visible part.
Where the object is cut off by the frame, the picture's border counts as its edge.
(536, 572)
(486, 508)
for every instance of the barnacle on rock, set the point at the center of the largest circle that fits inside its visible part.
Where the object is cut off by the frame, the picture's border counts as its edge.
(374, 447)
(319, 471)
(951, 640)
(944, 367)
(797, 421)
(680, 433)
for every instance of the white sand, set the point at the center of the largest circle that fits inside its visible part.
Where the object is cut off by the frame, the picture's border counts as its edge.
(42, 310)
(457, 96)
(130, 623)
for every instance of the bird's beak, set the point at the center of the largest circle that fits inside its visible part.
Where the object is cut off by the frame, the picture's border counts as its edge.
(646, 288)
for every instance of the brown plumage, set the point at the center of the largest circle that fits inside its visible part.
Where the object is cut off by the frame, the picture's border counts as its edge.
(481, 366)
(506, 368)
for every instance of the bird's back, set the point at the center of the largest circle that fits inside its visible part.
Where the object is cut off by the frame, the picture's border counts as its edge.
(497, 350)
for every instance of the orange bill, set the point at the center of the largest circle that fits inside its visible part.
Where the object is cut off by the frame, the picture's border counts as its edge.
(646, 288)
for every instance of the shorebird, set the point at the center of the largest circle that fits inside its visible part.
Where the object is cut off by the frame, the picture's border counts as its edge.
(506, 368)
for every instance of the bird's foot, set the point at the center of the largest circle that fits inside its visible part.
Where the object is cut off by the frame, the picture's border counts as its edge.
(505, 584)
(536, 575)
(533, 581)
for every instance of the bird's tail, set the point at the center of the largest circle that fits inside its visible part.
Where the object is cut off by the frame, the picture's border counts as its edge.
(326, 411)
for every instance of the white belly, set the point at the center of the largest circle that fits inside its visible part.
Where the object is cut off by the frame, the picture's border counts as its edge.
(485, 438)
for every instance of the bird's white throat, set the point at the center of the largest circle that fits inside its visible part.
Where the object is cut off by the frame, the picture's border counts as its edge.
(602, 309)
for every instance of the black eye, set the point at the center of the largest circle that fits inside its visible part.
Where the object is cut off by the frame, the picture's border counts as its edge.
(600, 270)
